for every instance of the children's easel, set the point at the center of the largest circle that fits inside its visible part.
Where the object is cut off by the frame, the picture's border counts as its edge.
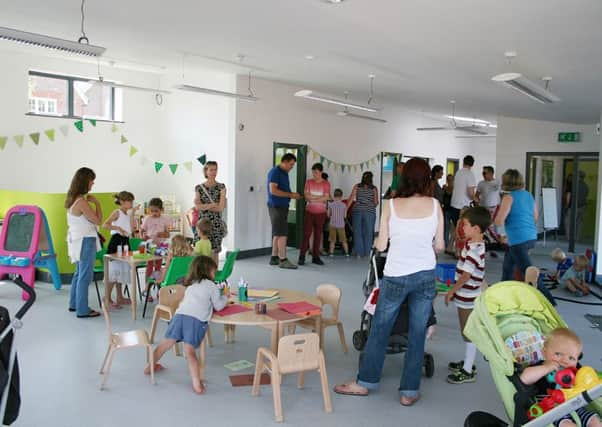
(26, 244)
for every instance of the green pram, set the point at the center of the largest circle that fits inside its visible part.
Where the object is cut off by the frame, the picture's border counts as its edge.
(504, 310)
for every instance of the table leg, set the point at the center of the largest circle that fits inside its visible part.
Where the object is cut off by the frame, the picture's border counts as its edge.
(320, 331)
(134, 290)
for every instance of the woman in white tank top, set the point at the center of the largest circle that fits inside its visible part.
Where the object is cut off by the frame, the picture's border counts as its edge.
(414, 225)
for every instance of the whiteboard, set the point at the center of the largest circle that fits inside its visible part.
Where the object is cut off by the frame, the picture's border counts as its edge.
(550, 208)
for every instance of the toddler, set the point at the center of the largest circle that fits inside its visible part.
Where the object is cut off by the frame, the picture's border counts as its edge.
(563, 263)
(121, 224)
(470, 272)
(203, 245)
(156, 227)
(189, 324)
(561, 350)
(179, 247)
(574, 278)
(337, 211)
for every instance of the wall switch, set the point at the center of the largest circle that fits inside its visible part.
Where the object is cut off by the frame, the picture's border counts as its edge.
(251, 188)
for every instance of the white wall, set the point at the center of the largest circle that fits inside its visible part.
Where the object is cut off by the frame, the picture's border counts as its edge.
(280, 117)
(185, 126)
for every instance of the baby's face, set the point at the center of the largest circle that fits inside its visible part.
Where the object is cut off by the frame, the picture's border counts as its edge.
(563, 351)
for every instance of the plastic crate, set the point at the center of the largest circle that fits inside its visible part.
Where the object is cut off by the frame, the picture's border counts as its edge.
(446, 273)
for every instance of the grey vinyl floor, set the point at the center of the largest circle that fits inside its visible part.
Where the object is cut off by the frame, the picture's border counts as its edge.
(60, 356)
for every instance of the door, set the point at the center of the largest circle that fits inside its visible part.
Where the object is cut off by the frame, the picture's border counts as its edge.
(297, 180)
(452, 166)
(580, 200)
(388, 166)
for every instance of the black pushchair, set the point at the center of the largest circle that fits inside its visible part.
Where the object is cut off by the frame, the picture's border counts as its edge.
(398, 341)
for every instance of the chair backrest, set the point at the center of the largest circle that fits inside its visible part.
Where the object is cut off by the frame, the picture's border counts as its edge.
(135, 243)
(298, 352)
(178, 269)
(532, 275)
(100, 256)
(330, 295)
(171, 296)
(107, 317)
(228, 267)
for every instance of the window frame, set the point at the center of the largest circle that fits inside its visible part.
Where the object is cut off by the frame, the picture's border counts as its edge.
(70, 97)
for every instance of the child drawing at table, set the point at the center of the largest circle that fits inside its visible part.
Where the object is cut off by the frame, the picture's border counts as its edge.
(155, 227)
(189, 324)
(121, 225)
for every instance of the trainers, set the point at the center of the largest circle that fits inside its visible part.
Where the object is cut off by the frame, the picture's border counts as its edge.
(456, 366)
(285, 263)
(461, 376)
(274, 260)
(331, 255)
(317, 260)
(301, 260)
(347, 255)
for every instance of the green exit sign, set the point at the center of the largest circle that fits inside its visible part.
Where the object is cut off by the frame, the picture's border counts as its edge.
(569, 136)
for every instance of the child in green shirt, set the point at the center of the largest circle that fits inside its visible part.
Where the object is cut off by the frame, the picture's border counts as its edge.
(203, 246)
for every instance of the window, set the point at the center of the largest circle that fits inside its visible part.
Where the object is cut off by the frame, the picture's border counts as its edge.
(72, 97)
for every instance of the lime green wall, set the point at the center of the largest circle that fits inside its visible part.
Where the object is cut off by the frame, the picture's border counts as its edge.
(53, 206)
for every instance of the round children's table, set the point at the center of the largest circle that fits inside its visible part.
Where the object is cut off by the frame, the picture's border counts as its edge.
(275, 322)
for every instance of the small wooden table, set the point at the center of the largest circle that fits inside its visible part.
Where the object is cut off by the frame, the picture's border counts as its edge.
(133, 262)
(249, 318)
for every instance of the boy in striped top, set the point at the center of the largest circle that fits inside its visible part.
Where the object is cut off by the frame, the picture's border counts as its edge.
(337, 210)
(470, 272)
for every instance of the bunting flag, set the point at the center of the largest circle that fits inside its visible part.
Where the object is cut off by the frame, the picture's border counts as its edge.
(19, 140)
(133, 150)
(35, 137)
(315, 155)
(173, 167)
(143, 160)
(158, 166)
(3, 140)
(64, 130)
(353, 167)
(79, 125)
(188, 166)
(49, 134)
(329, 163)
(202, 159)
(362, 167)
(114, 128)
(123, 139)
(92, 122)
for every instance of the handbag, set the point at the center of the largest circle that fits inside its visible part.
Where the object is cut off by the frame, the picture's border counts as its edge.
(223, 223)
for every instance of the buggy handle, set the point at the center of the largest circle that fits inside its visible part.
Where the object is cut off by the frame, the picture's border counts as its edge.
(30, 292)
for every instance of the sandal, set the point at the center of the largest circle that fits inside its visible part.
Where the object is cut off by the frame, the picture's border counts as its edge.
(115, 306)
(409, 401)
(347, 389)
(91, 313)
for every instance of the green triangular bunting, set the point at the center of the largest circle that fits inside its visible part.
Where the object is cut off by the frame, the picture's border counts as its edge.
(188, 166)
(3, 140)
(343, 168)
(92, 122)
(114, 128)
(35, 137)
(173, 168)
(133, 150)
(123, 139)
(19, 140)
(50, 134)
(158, 166)
(79, 125)
(322, 159)
(202, 159)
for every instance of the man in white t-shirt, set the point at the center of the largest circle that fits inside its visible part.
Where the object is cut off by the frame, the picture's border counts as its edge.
(465, 185)
(488, 190)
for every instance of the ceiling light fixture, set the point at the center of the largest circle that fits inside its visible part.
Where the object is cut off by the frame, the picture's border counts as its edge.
(102, 82)
(521, 84)
(347, 113)
(81, 47)
(310, 57)
(469, 119)
(314, 96)
(476, 126)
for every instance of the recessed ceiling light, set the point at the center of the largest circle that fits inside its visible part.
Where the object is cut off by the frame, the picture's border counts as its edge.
(310, 57)
(334, 1)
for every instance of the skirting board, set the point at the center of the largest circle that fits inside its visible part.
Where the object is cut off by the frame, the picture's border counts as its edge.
(251, 253)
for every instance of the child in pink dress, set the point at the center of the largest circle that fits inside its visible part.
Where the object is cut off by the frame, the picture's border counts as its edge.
(155, 227)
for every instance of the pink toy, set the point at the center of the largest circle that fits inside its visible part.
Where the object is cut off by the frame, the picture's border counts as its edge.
(26, 243)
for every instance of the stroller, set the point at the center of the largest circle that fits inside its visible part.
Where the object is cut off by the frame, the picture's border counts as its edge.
(398, 341)
(501, 314)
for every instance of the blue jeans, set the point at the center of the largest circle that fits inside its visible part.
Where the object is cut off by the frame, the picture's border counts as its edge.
(363, 231)
(517, 256)
(82, 276)
(419, 289)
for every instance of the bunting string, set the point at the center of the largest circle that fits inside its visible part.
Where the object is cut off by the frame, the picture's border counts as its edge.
(335, 166)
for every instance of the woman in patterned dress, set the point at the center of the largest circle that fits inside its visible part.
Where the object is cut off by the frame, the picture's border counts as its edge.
(213, 202)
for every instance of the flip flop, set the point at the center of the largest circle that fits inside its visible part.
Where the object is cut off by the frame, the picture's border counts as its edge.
(344, 389)
(115, 306)
(91, 313)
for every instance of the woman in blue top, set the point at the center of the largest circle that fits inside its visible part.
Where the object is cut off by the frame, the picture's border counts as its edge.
(516, 220)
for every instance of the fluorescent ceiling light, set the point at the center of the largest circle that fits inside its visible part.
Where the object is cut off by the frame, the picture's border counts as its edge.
(475, 136)
(309, 94)
(525, 86)
(50, 42)
(469, 119)
(360, 116)
(124, 86)
(207, 91)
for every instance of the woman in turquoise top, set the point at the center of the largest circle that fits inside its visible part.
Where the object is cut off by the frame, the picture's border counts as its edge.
(516, 220)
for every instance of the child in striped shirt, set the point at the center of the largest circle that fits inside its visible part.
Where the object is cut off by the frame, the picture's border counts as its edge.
(337, 210)
(470, 272)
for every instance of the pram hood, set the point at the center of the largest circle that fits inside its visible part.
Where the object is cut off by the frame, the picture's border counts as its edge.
(501, 311)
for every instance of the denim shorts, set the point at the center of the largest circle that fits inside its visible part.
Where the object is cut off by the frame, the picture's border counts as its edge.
(188, 329)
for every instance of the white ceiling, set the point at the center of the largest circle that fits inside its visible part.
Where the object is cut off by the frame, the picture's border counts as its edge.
(423, 52)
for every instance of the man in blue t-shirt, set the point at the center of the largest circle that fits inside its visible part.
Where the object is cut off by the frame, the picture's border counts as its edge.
(279, 196)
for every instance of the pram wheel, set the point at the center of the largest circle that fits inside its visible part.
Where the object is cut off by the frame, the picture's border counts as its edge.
(359, 340)
(429, 365)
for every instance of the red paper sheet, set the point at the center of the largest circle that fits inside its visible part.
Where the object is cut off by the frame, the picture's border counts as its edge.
(279, 314)
(300, 307)
(232, 309)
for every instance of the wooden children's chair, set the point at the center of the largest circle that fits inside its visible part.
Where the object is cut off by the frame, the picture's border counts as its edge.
(296, 354)
(121, 340)
(329, 295)
(532, 275)
(169, 301)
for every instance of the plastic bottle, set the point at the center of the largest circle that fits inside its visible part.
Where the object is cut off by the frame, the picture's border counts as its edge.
(126, 250)
(119, 250)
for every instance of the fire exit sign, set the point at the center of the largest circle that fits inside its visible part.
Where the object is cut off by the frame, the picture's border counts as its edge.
(569, 136)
